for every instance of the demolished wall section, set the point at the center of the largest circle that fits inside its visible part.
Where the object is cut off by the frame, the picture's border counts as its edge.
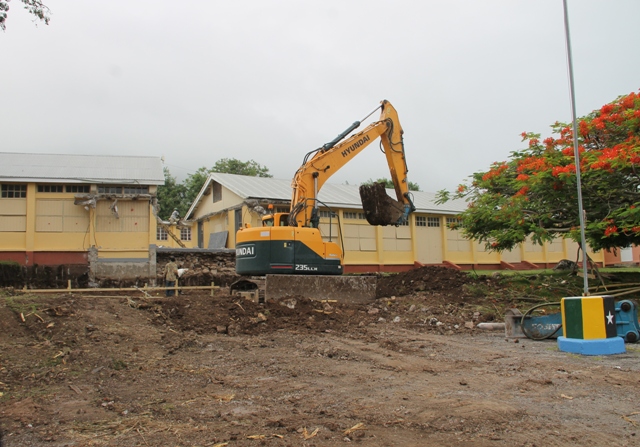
(203, 268)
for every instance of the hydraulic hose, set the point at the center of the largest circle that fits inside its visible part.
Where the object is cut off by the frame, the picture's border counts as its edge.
(529, 335)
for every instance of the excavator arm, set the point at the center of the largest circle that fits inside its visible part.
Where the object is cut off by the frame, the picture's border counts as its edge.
(321, 164)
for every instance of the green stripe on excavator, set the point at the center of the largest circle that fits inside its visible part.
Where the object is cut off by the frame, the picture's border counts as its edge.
(282, 257)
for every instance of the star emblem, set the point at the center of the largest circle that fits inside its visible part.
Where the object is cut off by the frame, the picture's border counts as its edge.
(609, 318)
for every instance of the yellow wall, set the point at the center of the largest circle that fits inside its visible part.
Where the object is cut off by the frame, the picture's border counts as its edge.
(207, 206)
(12, 241)
(368, 245)
(44, 222)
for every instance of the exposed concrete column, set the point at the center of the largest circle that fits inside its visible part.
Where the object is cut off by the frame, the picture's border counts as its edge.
(152, 264)
(92, 227)
(93, 264)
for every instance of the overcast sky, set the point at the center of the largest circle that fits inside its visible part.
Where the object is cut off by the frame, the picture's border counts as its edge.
(269, 80)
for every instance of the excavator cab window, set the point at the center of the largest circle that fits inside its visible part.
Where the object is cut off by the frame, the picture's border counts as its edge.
(267, 222)
(284, 220)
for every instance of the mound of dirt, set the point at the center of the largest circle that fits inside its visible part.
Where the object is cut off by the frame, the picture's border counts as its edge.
(429, 279)
(235, 315)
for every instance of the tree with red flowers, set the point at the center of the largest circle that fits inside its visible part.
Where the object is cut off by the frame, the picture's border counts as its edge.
(534, 193)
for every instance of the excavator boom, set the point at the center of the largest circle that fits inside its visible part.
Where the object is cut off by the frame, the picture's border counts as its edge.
(321, 164)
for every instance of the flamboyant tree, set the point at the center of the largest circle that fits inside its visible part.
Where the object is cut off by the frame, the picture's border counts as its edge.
(534, 193)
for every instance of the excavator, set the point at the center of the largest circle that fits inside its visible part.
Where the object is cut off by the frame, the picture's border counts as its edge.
(291, 243)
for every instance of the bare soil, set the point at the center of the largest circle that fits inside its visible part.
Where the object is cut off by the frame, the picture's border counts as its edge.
(409, 369)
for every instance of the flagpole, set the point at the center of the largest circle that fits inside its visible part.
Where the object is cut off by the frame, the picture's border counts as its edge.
(576, 152)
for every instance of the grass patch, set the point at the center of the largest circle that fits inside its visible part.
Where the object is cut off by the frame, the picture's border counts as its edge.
(118, 365)
(20, 307)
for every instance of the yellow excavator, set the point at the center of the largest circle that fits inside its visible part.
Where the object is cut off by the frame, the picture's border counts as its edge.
(291, 243)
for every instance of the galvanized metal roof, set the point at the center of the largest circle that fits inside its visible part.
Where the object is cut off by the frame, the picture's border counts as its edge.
(332, 195)
(56, 168)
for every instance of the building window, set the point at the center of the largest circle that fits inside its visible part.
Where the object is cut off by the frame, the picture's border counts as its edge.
(350, 215)
(78, 188)
(433, 221)
(109, 189)
(327, 214)
(453, 221)
(281, 209)
(119, 189)
(161, 234)
(14, 191)
(185, 233)
(404, 224)
(137, 189)
(421, 221)
(50, 188)
(216, 192)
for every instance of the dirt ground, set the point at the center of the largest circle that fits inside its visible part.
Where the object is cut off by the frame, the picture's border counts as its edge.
(408, 369)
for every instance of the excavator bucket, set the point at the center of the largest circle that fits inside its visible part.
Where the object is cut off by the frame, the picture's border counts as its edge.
(379, 208)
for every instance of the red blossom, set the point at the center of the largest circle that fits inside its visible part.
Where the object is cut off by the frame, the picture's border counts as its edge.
(533, 164)
(629, 101)
(605, 165)
(584, 128)
(599, 123)
(494, 172)
(557, 170)
(612, 229)
(549, 142)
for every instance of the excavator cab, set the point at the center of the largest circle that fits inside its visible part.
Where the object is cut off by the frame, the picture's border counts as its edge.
(276, 220)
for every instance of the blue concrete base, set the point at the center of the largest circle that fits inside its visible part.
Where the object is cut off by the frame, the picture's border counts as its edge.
(599, 346)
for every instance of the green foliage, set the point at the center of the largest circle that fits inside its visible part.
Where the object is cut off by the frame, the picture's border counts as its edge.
(195, 181)
(534, 194)
(235, 166)
(19, 307)
(388, 183)
(173, 195)
(34, 7)
(118, 364)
